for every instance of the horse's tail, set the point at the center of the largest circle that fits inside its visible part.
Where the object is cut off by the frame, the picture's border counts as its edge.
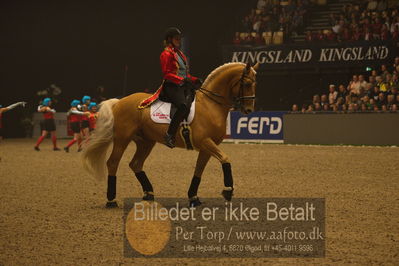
(94, 154)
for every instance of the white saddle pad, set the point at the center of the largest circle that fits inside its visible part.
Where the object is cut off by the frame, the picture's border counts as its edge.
(160, 112)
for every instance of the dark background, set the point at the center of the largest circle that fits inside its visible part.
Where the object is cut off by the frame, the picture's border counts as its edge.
(80, 45)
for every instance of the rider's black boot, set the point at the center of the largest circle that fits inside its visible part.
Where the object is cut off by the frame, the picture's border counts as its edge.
(170, 138)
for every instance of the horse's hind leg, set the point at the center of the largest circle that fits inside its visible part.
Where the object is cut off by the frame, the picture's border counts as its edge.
(211, 147)
(202, 160)
(112, 165)
(144, 149)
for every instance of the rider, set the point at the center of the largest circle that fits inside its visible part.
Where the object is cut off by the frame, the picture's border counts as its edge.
(178, 83)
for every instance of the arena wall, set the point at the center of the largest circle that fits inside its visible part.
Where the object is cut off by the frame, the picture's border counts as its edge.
(348, 129)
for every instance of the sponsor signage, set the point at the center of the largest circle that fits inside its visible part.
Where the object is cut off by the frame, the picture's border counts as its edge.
(257, 126)
(312, 55)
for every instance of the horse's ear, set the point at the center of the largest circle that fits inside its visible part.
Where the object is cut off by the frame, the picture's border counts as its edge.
(256, 66)
(247, 67)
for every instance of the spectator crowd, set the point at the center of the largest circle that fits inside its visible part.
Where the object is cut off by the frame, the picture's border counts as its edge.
(377, 93)
(361, 21)
(284, 16)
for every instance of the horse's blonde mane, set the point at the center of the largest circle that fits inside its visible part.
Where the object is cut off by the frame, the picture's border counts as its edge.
(219, 69)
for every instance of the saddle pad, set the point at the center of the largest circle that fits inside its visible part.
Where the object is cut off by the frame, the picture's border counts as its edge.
(160, 112)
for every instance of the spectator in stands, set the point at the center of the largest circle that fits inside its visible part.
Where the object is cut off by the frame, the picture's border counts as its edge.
(237, 39)
(381, 84)
(382, 5)
(354, 85)
(332, 95)
(362, 83)
(342, 92)
(390, 101)
(304, 108)
(372, 5)
(394, 108)
(384, 72)
(295, 108)
(323, 100)
(317, 107)
(326, 107)
(381, 100)
(316, 99)
(374, 93)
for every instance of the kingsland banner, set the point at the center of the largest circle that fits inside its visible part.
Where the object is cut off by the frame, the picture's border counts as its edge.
(313, 55)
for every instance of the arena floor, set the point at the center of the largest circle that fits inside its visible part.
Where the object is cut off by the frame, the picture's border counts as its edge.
(52, 212)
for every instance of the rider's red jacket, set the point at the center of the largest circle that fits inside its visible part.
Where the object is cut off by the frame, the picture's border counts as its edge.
(170, 65)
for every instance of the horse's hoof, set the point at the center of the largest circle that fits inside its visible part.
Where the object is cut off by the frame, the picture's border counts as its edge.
(227, 194)
(148, 196)
(195, 202)
(111, 204)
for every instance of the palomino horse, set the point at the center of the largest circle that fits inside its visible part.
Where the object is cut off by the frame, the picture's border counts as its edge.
(121, 121)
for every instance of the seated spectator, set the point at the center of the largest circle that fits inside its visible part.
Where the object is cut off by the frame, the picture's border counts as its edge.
(390, 101)
(367, 36)
(381, 84)
(384, 35)
(332, 95)
(394, 108)
(317, 107)
(323, 99)
(308, 36)
(342, 92)
(384, 72)
(374, 93)
(381, 100)
(326, 107)
(363, 107)
(316, 99)
(362, 82)
(295, 108)
(237, 39)
(372, 5)
(382, 5)
(354, 85)
(304, 108)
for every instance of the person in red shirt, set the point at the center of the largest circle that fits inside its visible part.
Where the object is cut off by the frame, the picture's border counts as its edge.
(75, 117)
(84, 123)
(178, 84)
(93, 115)
(48, 124)
(5, 109)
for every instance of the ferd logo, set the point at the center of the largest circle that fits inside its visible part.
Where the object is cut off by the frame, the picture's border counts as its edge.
(258, 125)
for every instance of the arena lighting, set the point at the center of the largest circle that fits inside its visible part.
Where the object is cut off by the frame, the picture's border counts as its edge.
(368, 69)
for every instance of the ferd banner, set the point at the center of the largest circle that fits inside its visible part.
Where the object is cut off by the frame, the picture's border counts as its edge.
(312, 55)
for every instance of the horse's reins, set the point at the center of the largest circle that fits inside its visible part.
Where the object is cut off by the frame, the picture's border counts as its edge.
(237, 101)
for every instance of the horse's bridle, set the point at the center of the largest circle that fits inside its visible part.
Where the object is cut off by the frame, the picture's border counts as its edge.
(237, 100)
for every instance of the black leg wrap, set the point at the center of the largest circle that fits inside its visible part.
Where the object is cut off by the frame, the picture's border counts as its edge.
(228, 182)
(228, 177)
(192, 191)
(111, 190)
(145, 183)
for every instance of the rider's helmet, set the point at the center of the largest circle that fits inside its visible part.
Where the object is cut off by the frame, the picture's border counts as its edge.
(172, 32)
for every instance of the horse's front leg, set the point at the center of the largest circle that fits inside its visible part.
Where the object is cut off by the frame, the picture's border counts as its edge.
(210, 147)
(202, 160)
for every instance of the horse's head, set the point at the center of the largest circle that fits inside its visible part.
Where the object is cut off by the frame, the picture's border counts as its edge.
(243, 90)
